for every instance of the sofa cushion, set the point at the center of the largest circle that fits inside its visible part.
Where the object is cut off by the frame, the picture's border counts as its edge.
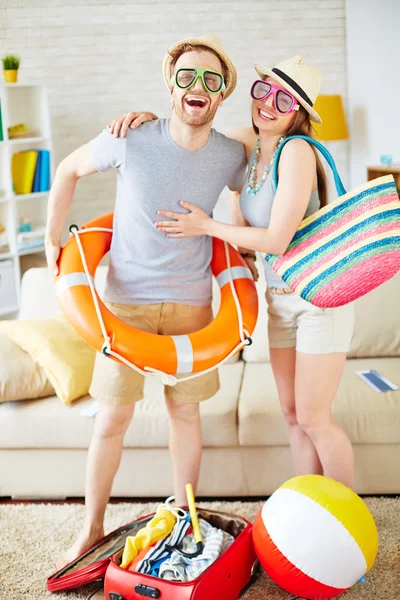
(259, 413)
(47, 423)
(20, 377)
(377, 322)
(367, 416)
(38, 298)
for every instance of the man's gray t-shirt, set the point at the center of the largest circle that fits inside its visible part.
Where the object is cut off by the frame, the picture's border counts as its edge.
(155, 173)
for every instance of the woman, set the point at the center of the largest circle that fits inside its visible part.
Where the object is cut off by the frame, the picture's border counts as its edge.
(308, 345)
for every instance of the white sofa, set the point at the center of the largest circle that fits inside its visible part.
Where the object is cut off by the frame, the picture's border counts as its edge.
(43, 444)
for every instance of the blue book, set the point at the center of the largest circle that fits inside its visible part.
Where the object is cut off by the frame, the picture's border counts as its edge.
(44, 171)
(36, 180)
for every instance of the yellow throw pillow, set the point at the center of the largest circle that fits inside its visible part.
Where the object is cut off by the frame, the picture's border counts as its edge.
(20, 377)
(54, 345)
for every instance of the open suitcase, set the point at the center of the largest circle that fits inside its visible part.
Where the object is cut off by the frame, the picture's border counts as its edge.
(225, 579)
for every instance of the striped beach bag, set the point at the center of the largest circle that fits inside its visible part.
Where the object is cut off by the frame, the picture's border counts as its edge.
(347, 248)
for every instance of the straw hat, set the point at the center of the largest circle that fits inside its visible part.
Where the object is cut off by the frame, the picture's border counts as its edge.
(302, 81)
(211, 42)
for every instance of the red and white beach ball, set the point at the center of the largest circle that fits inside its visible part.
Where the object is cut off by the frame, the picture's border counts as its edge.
(315, 537)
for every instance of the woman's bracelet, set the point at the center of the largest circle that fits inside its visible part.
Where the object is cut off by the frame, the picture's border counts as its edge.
(248, 255)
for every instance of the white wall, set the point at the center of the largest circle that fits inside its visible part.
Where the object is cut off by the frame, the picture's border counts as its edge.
(100, 58)
(373, 66)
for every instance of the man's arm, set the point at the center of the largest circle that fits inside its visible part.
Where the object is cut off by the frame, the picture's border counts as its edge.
(78, 164)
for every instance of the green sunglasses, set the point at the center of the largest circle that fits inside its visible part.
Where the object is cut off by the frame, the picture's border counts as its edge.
(212, 81)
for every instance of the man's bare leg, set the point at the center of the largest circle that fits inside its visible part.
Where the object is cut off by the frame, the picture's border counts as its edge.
(185, 446)
(102, 464)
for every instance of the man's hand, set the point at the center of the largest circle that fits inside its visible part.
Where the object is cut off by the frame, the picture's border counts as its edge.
(251, 263)
(191, 224)
(52, 255)
(119, 127)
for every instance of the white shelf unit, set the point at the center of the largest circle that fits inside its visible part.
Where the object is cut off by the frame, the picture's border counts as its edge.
(27, 104)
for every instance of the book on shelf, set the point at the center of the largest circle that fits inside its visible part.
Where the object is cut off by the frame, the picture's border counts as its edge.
(31, 171)
(44, 184)
(23, 171)
(36, 178)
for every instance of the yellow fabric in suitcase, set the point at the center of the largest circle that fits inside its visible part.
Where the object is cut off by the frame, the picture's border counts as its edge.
(158, 528)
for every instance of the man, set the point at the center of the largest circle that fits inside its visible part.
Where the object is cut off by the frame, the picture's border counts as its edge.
(155, 284)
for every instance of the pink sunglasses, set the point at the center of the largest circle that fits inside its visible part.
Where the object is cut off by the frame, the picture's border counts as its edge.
(284, 101)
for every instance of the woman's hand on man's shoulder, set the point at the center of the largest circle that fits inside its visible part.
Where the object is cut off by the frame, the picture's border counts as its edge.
(118, 127)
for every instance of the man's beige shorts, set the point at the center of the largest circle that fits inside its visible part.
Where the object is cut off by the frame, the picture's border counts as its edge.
(293, 322)
(115, 383)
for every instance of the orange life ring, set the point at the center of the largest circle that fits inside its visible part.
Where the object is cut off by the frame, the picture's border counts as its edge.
(190, 353)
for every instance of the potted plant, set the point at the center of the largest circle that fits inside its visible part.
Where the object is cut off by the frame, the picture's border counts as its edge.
(11, 64)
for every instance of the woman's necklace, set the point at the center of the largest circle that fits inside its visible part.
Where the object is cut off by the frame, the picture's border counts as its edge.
(252, 187)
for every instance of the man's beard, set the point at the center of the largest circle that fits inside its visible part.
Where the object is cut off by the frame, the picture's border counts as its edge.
(194, 120)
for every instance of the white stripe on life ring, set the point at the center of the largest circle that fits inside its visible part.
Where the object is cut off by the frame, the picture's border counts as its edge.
(184, 352)
(237, 273)
(71, 280)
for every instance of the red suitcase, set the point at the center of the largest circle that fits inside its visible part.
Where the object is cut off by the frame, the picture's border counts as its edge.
(225, 579)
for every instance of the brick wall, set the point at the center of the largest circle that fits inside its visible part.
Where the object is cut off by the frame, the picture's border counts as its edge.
(100, 58)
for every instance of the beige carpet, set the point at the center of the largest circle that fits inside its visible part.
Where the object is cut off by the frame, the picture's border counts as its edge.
(33, 536)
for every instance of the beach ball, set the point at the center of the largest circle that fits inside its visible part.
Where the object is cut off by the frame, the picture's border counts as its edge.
(315, 537)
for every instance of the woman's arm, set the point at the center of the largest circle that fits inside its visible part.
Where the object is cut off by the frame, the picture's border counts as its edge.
(119, 127)
(296, 175)
(296, 171)
(236, 213)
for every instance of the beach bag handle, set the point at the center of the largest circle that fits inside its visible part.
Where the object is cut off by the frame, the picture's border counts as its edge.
(325, 153)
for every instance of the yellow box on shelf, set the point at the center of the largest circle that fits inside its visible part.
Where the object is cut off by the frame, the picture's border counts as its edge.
(23, 171)
(21, 127)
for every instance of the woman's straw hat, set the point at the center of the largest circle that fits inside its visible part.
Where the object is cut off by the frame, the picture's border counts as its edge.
(210, 42)
(302, 81)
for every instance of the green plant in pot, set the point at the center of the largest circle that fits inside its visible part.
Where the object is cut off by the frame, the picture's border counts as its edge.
(11, 64)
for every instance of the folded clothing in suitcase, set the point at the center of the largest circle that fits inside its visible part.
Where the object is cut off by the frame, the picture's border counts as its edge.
(222, 580)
